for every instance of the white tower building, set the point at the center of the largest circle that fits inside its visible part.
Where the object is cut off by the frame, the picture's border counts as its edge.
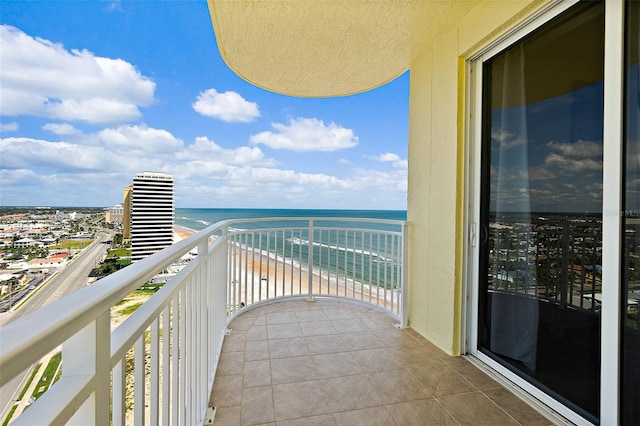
(152, 214)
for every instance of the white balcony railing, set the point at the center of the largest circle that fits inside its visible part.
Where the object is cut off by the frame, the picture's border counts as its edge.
(158, 366)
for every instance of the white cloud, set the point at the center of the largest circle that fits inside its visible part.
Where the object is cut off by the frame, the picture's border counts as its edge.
(227, 106)
(203, 148)
(25, 153)
(129, 139)
(307, 134)
(61, 129)
(506, 139)
(9, 127)
(572, 165)
(579, 149)
(92, 169)
(387, 157)
(42, 78)
(390, 157)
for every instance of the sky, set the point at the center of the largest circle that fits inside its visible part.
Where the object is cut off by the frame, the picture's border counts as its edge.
(93, 92)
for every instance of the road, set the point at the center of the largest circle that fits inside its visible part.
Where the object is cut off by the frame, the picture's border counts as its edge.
(67, 280)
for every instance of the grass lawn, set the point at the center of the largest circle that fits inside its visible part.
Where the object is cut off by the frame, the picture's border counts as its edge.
(119, 253)
(72, 244)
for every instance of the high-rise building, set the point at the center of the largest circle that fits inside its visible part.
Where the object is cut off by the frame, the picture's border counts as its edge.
(126, 213)
(152, 214)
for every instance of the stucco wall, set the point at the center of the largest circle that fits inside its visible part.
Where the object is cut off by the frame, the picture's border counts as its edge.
(436, 169)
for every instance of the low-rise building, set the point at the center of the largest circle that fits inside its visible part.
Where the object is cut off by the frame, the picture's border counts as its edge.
(24, 243)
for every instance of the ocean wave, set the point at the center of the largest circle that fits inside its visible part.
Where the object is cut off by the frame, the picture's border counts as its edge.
(301, 242)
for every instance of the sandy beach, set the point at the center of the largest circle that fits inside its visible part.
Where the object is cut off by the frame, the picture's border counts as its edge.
(260, 276)
(180, 233)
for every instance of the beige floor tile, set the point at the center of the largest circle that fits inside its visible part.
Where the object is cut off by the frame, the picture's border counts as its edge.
(441, 380)
(393, 336)
(339, 314)
(257, 373)
(283, 331)
(231, 363)
(350, 393)
(228, 416)
(256, 332)
(398, 386)
(378, 359)
(288, 348)
(261, 320)
(292, 370)
(360, 340)
(234, 342)
(366, 417)
(415, 355)
(227, 391)
(336, 365)
(302, 399)
(516, 408)
(242, 322)
(325, 344)
(323, 420)
(317, 328)
(281, 318)
(470, 372)
(311, 315)
(329, 362)
(256, 350)
(474, 409)
(349, 325)
(257, 406)
(426, 412)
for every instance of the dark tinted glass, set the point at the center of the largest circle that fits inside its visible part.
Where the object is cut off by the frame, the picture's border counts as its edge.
(540, 262)
(631, 224)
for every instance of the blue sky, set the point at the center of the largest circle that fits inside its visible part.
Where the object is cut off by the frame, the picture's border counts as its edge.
(92, 92)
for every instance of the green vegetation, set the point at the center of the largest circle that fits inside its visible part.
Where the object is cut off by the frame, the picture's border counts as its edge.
(74, 244)
(9, 415)
(129, 309)
(119, 252)
(111, 265)
(48, 376)
(22, 393)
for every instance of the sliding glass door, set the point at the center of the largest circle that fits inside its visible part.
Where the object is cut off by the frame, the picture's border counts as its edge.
(555, 269)
(540, 283)
(630, 297)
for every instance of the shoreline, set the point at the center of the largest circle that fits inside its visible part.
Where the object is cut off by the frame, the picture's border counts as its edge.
(180, 233)
(263, 273)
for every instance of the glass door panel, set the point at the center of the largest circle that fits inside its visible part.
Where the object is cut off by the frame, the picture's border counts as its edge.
(630, 374)
(541, 207)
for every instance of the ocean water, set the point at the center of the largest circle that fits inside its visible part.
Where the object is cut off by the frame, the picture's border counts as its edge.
(198, 219)
(370, 253)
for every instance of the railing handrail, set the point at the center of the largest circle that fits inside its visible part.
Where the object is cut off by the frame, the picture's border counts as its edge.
(56, 322)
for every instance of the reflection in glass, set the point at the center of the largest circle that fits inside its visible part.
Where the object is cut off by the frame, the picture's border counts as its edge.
(539, 312)
(631, 260)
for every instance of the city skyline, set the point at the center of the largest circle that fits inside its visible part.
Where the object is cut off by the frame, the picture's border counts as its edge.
(93, 92)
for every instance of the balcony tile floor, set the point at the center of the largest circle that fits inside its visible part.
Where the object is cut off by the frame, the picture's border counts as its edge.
(331, 362)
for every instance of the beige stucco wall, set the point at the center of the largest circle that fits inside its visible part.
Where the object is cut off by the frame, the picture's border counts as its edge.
(436, 169)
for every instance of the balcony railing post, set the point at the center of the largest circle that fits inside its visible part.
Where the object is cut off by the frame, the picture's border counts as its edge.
(310, 263)
(87, 353)
(564, 265)
(404, 290)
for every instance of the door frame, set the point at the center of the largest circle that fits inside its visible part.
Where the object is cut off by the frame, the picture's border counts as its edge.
(612, 205)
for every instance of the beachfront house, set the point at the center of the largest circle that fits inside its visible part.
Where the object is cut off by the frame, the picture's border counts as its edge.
(523, 161)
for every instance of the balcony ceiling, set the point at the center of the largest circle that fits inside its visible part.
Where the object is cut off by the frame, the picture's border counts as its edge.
(327, 48)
